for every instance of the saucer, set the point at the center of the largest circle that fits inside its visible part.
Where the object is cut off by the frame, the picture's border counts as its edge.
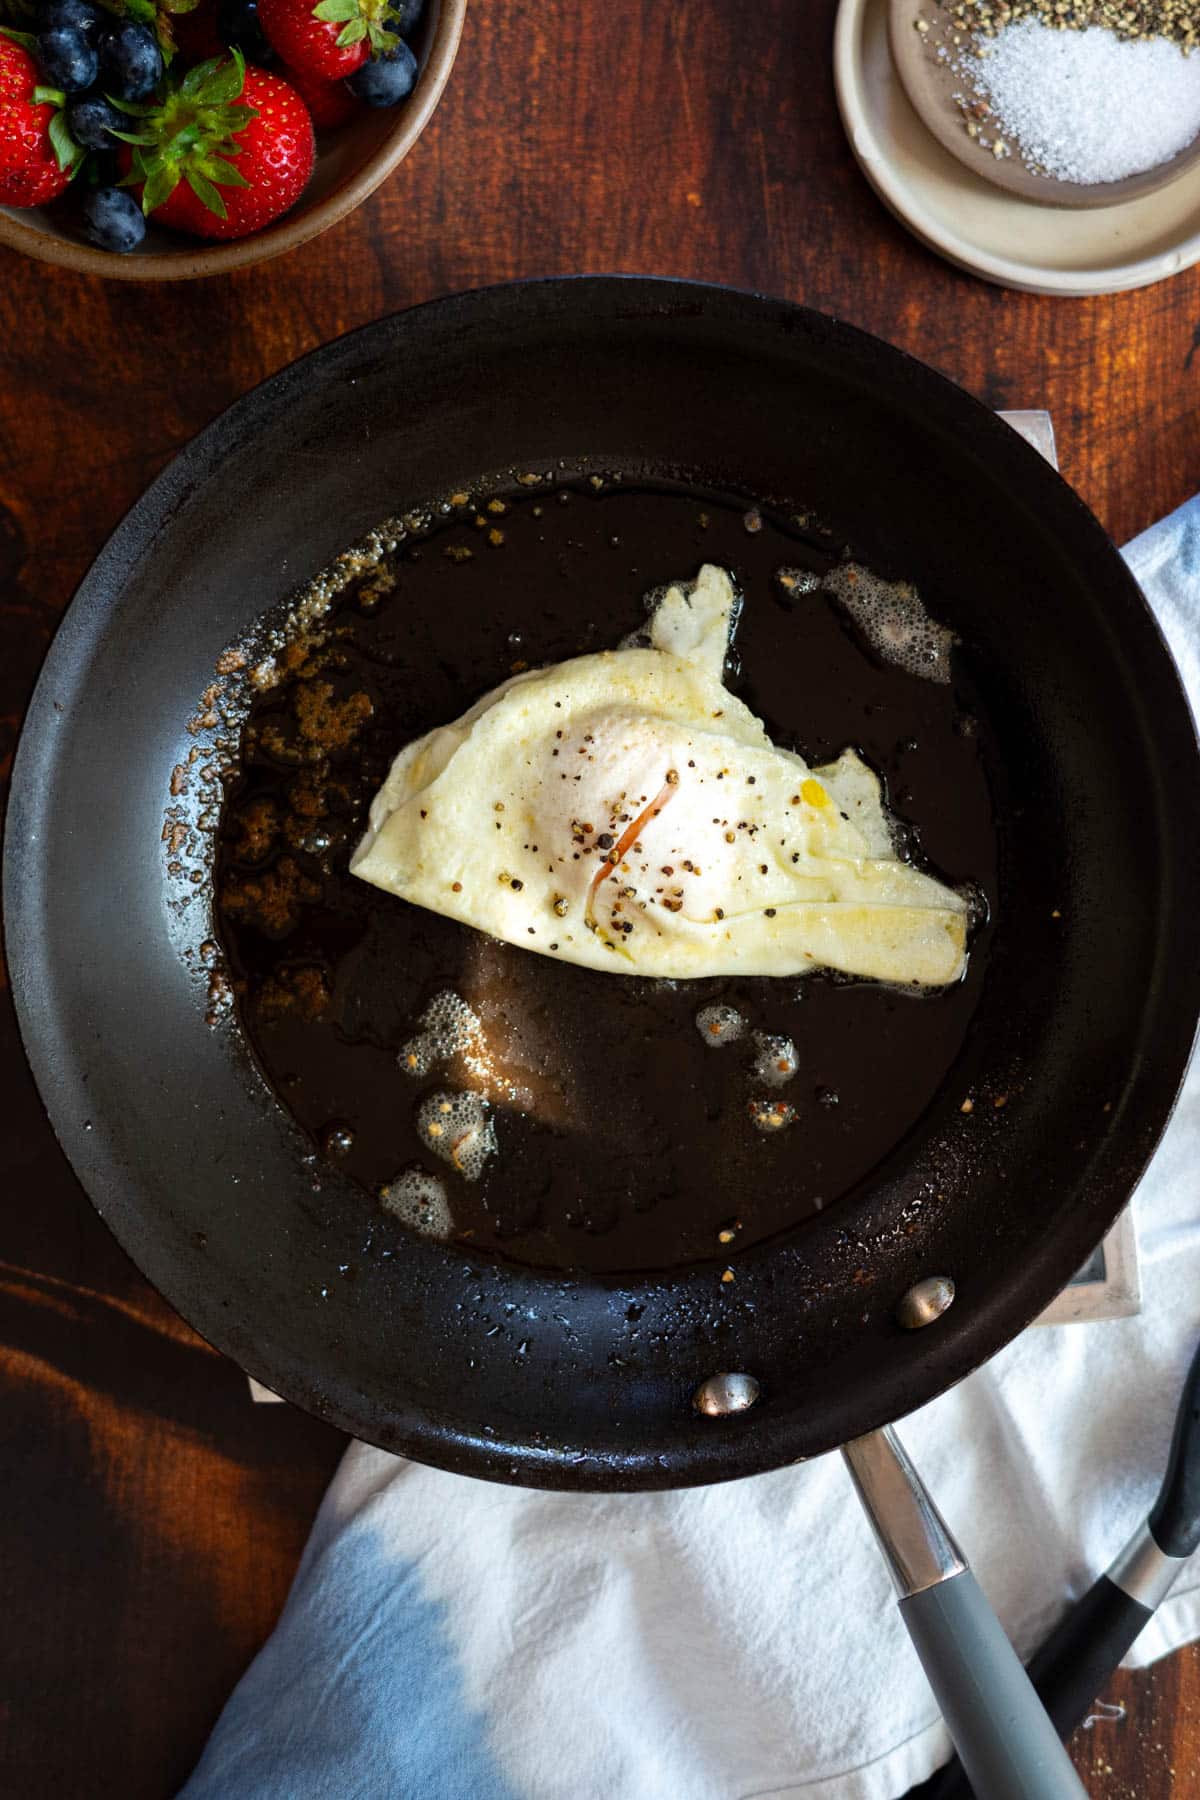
(979, 227)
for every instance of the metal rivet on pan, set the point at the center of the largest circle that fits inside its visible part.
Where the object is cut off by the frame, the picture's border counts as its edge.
(925, 1301)
(724, 1394)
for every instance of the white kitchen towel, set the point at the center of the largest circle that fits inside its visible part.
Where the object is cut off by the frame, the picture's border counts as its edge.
(449, 1639)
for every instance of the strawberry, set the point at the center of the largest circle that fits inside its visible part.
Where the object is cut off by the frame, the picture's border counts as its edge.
(330, 102)
(37, 156)
(332, 38)
(228, 150)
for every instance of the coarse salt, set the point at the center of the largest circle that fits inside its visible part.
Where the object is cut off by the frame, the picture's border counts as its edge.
(1087, 106)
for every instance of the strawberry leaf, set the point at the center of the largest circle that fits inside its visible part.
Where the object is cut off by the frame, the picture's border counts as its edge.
(223, 173)
(333, 11)
(382, 40)
(178, 6)
(353, 33)
(195, 78)
(161, 183)
(43, 96)
(135, 109)
(132, 137)
(145, 10)
(205, 192)
(26, 39)
(66, 150)
(225, 84)
(136, 173)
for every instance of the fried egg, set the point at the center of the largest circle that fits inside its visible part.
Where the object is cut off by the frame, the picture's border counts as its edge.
(625, 811)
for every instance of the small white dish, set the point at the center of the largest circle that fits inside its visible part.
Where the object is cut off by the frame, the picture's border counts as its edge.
(979, 227)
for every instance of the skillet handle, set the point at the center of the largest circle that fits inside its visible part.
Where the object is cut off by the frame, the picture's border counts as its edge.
(1005, 1740)
(1007, 1744)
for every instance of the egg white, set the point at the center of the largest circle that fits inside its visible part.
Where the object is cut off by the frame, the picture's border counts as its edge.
(625, 811)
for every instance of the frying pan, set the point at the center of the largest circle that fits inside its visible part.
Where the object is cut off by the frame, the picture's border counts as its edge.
(488, 1367)
(1086, 1019)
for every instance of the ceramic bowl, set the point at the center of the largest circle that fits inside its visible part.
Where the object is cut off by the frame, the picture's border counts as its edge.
(351, 163)
(919, 31)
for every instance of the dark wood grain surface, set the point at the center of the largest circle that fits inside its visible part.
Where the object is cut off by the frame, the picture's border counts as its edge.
(151, 1517)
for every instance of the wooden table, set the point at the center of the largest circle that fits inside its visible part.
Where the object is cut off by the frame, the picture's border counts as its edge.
(152, 1517)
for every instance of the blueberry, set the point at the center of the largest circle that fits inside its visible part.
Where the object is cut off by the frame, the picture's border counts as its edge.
(79, 13)
(113, 219)
(92, 119)
(406, 16)
(131, 60)
(385, 79)
(238, 26)
(66, 59)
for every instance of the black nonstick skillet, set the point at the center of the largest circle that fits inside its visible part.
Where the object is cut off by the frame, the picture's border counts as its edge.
(1083, 1026)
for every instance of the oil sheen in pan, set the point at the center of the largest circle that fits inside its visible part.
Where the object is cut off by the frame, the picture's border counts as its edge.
(621, 1139)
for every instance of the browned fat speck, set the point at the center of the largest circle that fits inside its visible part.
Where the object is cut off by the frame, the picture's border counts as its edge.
(303, 993)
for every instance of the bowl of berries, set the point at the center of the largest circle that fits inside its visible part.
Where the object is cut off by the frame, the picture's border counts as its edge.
(164, 139)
